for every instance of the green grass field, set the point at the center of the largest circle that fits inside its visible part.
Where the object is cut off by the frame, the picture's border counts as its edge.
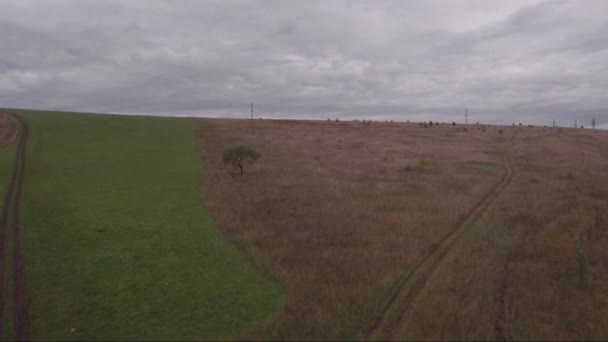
(117, 242)
(7, 159)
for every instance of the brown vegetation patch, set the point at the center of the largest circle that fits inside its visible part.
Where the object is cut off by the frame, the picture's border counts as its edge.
(9, 128)
(338, 212)
(522, 273)
(332, 212)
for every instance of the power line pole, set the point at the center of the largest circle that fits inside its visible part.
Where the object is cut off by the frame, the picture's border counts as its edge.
(553, 123)
(593, 122)
(575, 124)
(466, 116)
(251, 110)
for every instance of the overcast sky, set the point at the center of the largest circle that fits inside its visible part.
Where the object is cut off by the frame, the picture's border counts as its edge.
(507, 61)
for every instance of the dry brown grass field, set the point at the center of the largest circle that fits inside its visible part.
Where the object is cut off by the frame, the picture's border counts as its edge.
(397, 231)
(8, 129)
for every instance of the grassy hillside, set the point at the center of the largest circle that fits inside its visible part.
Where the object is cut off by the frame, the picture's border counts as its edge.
(339, 211)
(385, 231)
(394, 231)
(7, 158)
(117, 242)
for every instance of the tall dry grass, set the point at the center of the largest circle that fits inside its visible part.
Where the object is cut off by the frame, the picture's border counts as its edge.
(535, 267)
(337, 212)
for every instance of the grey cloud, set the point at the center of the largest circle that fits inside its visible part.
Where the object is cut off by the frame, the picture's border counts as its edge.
(530, 61)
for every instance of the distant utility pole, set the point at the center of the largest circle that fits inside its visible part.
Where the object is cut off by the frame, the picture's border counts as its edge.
(251, 110)
(553, 123)
(593, 123)
(466, 116)
(575, 124)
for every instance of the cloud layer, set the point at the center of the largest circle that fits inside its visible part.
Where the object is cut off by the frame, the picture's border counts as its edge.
(529, 61)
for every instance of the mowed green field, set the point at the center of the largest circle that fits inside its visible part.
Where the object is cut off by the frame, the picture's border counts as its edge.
(7, 159)
(117, 242)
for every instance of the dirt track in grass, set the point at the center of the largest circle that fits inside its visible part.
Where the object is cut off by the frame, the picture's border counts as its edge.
(397, 307)
(10, 223)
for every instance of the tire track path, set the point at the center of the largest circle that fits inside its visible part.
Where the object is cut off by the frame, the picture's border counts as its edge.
(399, 301)
(10, 219)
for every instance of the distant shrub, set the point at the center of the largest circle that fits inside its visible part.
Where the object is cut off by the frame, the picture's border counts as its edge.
(240, 155)
(428, 165)
(581, 261)
(423, 166)
(500, 131)
(453, 123)
(597, 218)
(387, 159)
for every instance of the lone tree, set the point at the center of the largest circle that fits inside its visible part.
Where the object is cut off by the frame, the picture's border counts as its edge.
(240, 155)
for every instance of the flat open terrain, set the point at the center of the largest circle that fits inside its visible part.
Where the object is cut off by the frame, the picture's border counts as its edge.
(396, 231)
(133, 228)
(116, 240)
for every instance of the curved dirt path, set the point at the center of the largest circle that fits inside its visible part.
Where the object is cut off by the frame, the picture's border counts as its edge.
(11, 210)
(396, 307)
